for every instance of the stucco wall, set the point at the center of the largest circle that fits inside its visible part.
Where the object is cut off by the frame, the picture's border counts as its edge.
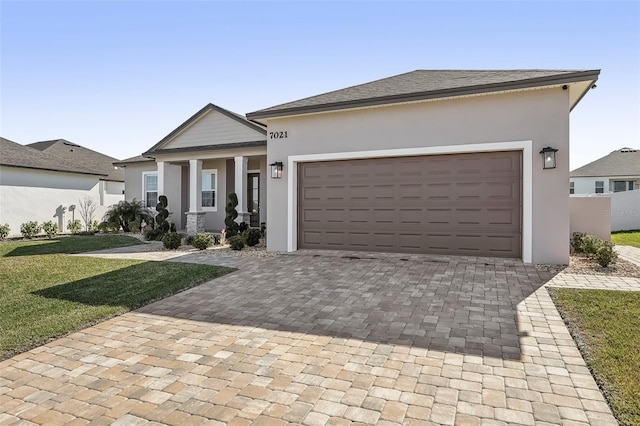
(625, 210)
(133, 179)
(591, 215)
(27, 195)
(540, 116)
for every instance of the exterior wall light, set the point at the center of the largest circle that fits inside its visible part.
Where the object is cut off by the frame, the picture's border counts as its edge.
(276, 170)
(548, 157)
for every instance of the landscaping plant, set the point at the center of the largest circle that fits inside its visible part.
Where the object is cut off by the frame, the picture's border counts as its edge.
(576, 241)
(606, 254)
(202, 241)
(161, 218)
(29, 229)
(125, 212)
(252, 236)
(232, 215)
(171, 240)
(74, 226)
(87, 211)
(4, 231)
(223, 236)
(236, 243)
(50, 228)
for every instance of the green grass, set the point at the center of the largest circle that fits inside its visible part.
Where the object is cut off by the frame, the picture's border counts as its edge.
(606, 324)
(626, 238)
(49, 295)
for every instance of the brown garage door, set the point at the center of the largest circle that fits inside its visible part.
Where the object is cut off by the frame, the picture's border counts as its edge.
(461, 204)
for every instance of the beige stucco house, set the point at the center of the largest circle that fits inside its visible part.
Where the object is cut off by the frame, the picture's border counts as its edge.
(441, 162)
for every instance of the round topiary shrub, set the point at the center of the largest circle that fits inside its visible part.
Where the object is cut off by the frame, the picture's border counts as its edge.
(202, 241)
(29, 229)
(252, 236)
(172, 240)
(236, 243)
(50, 228)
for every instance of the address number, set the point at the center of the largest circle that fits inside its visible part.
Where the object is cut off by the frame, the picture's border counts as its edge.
(277, 135)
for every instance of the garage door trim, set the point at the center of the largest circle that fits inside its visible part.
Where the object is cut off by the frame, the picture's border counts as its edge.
(527, 178)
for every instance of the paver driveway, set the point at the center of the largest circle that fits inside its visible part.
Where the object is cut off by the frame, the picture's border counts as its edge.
(321, 338)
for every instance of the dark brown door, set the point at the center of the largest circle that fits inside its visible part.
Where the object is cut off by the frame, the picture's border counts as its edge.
(459, 204)
(253, 198)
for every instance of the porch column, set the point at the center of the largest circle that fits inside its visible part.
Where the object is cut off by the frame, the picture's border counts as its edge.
(195, 215)
(161, 177)
(241, 188)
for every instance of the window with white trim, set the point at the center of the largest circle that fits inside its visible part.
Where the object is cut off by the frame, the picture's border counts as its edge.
(599, 187)
(209, 189)
(150, 188)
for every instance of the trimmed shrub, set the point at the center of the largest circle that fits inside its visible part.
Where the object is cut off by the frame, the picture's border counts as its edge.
(74, 226)
(202, 241)
(606, 254)
(252, 236)
(576, 241)
(236, 243)
(29, 229)
(4, 231)
(232, 214)
(242, 226)
(171, 240)
(50, 228)
(161, 218)
(590, 245)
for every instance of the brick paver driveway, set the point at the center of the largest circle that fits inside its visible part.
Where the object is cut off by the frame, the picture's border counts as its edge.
(331, 338)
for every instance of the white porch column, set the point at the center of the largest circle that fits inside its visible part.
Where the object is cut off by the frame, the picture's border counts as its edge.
(241, 188)
(161, 177)
(195, 215)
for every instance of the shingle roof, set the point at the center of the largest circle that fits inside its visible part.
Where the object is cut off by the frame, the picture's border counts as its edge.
(16, 155)
(623, 162)
(92, 160)
(136, 159)
(425, 84)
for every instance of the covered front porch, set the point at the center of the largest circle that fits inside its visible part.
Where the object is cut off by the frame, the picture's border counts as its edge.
(197, 188)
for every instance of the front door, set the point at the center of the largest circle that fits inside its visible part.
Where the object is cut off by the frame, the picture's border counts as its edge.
(253, 198)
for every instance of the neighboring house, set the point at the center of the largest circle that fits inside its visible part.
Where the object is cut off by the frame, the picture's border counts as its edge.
(441, 162)
(47, 180)
(617, 172)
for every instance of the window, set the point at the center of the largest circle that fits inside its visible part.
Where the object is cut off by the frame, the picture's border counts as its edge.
(571, 187)
(150, 188)
(599, 186)
(630, 185)
(619, 185)
(209, 182)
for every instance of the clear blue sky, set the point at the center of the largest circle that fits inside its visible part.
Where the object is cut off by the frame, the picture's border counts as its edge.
(118, 76)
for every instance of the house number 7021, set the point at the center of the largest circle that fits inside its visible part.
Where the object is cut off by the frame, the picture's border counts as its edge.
(277, 135)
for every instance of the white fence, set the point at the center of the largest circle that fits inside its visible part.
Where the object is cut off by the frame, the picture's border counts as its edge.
(625, 210)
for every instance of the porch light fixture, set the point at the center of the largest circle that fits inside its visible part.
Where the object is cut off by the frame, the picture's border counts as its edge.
(276, 170)
(548, 157)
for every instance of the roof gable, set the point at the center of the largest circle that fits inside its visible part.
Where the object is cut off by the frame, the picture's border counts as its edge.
(211, 126)
(623, 162)
(15, 155)
(431, 84)
(90, 159)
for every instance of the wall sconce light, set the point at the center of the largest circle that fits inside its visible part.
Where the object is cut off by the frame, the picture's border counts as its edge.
(548, 157)
(276, 170)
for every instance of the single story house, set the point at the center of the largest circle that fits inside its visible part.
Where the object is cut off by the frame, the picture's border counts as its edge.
(46, 181)
(442, 162)
(617, 172)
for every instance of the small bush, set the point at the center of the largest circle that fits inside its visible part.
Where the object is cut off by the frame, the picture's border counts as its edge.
(4, 231)
(202, 241)
(29, 229)
(242, 226)
(606, 254)
(236, 243)
(172, 240)
(50, 228)
(74, 226)
(94, 226)
(134, 227)
(590, 245)
(576, 241)
(154, 234)
(252, 236)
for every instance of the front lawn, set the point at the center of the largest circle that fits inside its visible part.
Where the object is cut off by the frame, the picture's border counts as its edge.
(606, 326)
(626, 238)
(46, 294)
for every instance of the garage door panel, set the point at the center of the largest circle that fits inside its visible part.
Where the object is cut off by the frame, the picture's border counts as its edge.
(448, 204)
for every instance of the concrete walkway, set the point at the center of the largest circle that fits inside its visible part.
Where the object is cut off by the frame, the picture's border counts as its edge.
(321, 338)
